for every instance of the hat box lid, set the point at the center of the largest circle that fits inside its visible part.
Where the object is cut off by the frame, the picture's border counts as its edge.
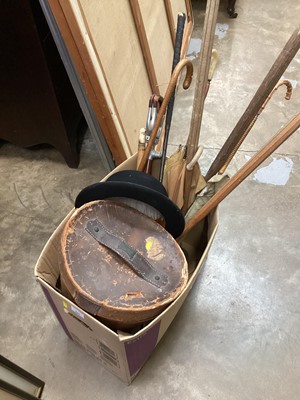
(120, 265)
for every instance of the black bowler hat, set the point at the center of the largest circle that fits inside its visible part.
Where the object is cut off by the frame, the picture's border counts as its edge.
(139, 186)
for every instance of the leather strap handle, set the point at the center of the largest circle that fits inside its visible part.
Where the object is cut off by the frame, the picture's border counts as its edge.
(140, 265)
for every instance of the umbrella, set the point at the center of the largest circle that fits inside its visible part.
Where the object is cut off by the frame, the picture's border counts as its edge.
(174, 175)
(204, 195)
(176, 165)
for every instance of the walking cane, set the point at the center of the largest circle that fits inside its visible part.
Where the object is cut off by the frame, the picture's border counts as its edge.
(242, 174)
(283, 60)
(243, 137)
(186, 84)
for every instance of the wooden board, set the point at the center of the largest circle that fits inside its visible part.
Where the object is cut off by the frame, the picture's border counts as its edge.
(123, 58)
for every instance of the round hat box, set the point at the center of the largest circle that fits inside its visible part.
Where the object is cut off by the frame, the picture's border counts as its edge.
(119, 265)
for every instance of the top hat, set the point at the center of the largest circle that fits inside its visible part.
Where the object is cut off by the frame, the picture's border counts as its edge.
(139, 186)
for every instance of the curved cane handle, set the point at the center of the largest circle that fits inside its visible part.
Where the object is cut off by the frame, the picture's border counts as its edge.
(289, 88)
(186, 84)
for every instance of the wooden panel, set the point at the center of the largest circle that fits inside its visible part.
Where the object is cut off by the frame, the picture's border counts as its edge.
(160, 40)
(114, 63)
(72, 36)
(117, 48)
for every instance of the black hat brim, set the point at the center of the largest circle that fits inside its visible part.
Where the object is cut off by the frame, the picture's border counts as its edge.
(174, 219)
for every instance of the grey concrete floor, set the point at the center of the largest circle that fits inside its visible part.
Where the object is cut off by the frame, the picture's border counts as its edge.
(237, 335)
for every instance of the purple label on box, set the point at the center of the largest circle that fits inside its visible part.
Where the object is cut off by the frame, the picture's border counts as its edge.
(53, 306)
(139, 350)
(77, 312)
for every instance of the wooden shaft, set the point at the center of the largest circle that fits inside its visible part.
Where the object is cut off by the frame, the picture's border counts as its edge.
(210, 19)
(168, 7)
(188, 28)
(141, 31)
(202, 76)
(243, 137)
(242, 174)
(283, 60)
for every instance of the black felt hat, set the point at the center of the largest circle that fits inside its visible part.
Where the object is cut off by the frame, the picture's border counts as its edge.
(139, 186)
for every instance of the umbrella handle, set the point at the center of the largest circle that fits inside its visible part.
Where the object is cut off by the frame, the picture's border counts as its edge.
(242, 174)
(195, 159)
(173, 81)
(141, 145)
(213, 64)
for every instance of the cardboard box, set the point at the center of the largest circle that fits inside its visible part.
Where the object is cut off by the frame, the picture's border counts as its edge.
(121, 353)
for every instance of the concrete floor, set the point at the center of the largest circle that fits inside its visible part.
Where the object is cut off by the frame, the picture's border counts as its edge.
(238, 334)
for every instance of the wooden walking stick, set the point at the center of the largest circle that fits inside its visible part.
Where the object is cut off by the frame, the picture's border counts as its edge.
(283, 60)
(210, 19)
(242, 174)
(173, 81)
(243, 137)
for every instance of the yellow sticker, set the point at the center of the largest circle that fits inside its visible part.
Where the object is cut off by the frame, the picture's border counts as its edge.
(148, 244)
(154, 248)
(65, 304)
